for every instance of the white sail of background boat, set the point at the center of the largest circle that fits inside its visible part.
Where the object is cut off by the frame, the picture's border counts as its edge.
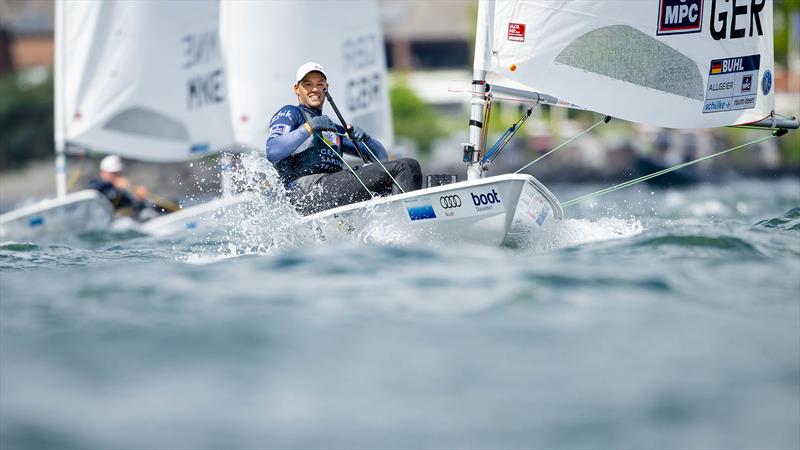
(669, 63)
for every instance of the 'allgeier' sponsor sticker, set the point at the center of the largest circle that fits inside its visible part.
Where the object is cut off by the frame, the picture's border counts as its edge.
(732, 84)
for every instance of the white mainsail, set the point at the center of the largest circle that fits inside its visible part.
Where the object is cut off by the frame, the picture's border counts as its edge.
(145, 80)
(264, 44)
(669, 63)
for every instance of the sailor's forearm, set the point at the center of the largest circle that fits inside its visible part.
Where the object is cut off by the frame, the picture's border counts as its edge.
(280, 147)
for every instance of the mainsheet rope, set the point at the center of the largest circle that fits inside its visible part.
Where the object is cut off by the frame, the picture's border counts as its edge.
(375, 158)
(371, 194)
(662, 172)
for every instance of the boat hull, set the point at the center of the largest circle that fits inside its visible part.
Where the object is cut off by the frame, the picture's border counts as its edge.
(196, 218)
(500, 210)
(78, 212)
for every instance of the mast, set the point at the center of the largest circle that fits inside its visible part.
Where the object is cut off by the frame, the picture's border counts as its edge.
(58, 103)
(483, 54)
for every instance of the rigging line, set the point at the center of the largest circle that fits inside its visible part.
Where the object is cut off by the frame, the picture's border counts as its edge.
(75, 176)
(659, 173)
(606, 119)
(372, 154)
(506, 137)
(371, 194)
(487, 111)
(382, 166)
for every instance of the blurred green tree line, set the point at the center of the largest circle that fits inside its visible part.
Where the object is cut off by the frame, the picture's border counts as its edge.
(26, 119)
(414, 119)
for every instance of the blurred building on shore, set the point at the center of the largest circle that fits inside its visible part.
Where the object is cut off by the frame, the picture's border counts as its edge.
(26, 34)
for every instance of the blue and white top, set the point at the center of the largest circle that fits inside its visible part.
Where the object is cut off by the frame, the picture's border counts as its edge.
(296, 154)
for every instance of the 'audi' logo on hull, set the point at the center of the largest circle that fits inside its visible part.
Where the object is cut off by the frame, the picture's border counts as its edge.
(450, 201)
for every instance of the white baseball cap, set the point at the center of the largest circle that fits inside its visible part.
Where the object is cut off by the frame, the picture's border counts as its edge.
(112, 163)
(303, 70)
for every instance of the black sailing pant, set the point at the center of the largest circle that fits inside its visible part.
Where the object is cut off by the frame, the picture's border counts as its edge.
(342, 188)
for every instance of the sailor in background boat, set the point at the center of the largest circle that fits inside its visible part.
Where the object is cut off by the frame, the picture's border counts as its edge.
(668, 154)
(306, 148)
(129, 200)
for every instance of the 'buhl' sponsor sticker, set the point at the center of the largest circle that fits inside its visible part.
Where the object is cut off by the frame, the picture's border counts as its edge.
(732, 84)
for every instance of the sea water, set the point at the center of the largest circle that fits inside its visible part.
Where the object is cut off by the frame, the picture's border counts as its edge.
(647, 319)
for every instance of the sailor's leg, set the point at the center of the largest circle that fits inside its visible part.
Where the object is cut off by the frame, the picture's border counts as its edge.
(405, 171)
(336, 189)
(343, 188)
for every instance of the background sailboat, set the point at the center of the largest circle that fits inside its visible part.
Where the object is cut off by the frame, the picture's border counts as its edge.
(179, 80)
(144, 80)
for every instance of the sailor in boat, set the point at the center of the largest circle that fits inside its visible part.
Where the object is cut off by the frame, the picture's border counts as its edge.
(306, 148)
(128, 199)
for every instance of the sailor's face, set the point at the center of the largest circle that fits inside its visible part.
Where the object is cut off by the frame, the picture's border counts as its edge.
(109, 177)
(311, 90)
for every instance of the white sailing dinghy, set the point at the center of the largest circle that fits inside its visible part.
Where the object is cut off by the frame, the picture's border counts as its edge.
(82, 211)
(144, 80)
(668, 63)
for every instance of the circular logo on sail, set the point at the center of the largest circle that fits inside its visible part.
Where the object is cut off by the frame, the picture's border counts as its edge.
(450, 201)
(766, 82)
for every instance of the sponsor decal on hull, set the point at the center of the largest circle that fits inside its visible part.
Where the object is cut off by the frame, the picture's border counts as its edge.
(485, 201)
(36, 221)
(420, 209)
(421, 212)
(543, 215)
(455, 204)
(531, 208)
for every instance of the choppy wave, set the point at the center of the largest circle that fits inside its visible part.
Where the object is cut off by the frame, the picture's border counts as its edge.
(615, 329)
(727, 243)
(789, 221)
(18, 246)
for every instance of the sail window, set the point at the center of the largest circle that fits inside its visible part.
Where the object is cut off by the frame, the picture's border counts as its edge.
(147, 123)
(625, 53)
